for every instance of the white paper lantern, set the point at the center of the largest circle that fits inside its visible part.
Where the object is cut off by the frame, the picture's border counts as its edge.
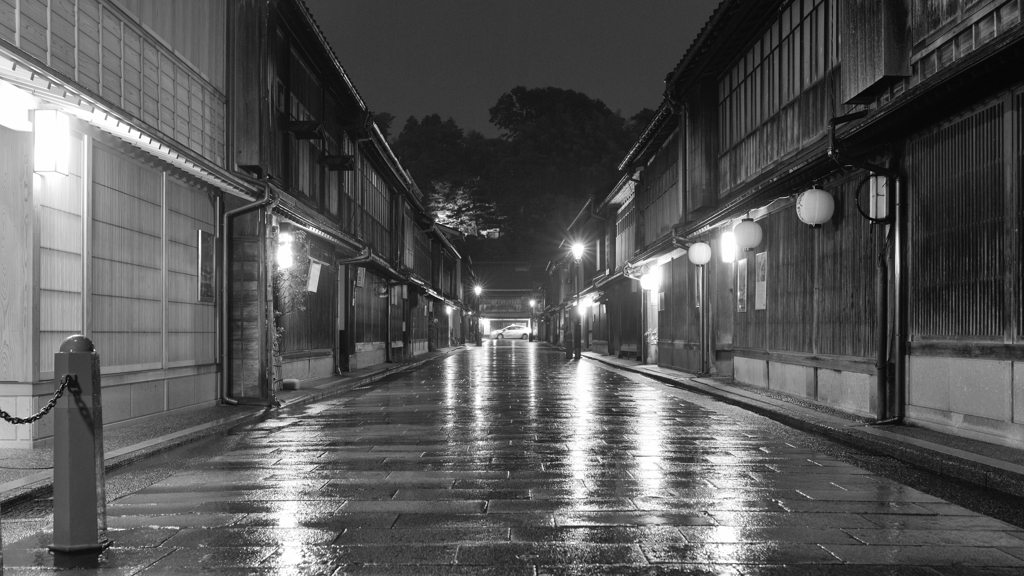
(814, 207)
(748, 234)
(699, 253)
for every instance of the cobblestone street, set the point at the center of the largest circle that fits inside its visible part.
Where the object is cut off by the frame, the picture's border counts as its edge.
(509, 459)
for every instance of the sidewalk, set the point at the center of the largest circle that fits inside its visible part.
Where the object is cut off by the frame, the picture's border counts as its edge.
(24, 474)
(989, 465)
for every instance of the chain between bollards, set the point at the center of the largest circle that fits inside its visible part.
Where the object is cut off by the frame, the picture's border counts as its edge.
(64, 381)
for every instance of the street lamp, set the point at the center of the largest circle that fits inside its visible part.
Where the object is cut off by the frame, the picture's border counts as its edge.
(478, 290)
(577, 332)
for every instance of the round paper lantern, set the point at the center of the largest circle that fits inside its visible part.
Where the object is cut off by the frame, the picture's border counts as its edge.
(814, 207)
(699, 253)
(748, 234)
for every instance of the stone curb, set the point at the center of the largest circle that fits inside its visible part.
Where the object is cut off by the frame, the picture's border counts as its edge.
(951, 462)
(125, 456)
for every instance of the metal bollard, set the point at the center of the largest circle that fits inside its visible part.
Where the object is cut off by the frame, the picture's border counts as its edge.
(79, 491)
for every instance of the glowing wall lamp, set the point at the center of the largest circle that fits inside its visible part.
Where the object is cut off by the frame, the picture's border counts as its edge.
(651, 280)
(285, 259)
(478, 289)
(52, 131)
(448, 309)
(814, 207)
(748, 234)
(699, 253)
(728, 242)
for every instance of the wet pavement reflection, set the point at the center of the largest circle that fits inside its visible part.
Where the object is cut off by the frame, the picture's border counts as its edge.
(507, 459)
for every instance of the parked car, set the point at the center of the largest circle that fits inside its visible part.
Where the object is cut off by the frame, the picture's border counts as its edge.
(513, 331)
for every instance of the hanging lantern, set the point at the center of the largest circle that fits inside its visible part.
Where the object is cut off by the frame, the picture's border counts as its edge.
(748, 234)
(52, 131)
(814, 207)
(699, 253)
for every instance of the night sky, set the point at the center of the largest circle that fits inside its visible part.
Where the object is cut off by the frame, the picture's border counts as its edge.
(456, 57)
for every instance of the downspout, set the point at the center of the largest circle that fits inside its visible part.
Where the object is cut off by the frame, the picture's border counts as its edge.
(225, 288)
(882, 409)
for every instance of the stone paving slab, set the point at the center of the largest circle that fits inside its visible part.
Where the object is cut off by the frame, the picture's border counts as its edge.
(516, 462)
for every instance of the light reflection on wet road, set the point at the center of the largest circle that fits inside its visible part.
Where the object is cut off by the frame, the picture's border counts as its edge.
(508, 459)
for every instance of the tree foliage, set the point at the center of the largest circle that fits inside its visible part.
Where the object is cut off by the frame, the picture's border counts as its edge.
(558, 148)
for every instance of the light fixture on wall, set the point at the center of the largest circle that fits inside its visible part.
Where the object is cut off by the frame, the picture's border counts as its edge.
(748, 234)
(52, 132)
(699, 253)
(651, 279)
(728, 246)
(577, 251)
(285, 259)
(478, 289)
(814, 207)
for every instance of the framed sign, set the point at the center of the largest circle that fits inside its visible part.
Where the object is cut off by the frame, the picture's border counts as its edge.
(741, 285)
(761, 282)
(206, 269)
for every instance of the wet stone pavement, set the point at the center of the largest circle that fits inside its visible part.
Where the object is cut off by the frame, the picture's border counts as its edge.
(509, 460)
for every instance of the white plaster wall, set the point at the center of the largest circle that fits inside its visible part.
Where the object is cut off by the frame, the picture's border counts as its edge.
(791, 379)
(848, 391)
(751, 372)
(966, 386)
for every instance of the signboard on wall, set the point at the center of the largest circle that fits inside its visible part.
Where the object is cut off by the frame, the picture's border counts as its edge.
(741, 285)
(206, 269)
(761, 282)
(314, 276)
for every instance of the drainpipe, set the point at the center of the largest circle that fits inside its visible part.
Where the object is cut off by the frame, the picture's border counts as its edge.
(226, 289)
(881, 284)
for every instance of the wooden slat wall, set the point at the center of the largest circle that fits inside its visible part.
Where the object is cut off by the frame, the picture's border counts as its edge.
(659, 197)
(60, 257)
(624, 301)
(246, 314)
(8, 20)
(313, 328)
(191, 325)
(846, 257)
(775, 99)
(16, 233)
(370, 312)
(109, 53)
(1018, 141)
(127, 261)
(195, 28)
(625, 234)
(957, 228)
(62, 46)
(790, 283)
(679, 322)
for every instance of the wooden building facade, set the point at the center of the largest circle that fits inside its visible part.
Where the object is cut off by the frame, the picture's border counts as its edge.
(196, 140)
(906, 304)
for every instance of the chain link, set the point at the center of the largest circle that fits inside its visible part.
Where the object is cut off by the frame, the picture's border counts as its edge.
(64, 381)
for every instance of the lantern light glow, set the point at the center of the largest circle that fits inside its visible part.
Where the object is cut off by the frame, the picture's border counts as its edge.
(652, 279)
(577, 251)
(284, 251)
(728, 243)
(52, 131)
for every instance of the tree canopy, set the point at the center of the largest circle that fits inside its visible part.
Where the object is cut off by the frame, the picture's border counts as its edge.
(558, 148)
